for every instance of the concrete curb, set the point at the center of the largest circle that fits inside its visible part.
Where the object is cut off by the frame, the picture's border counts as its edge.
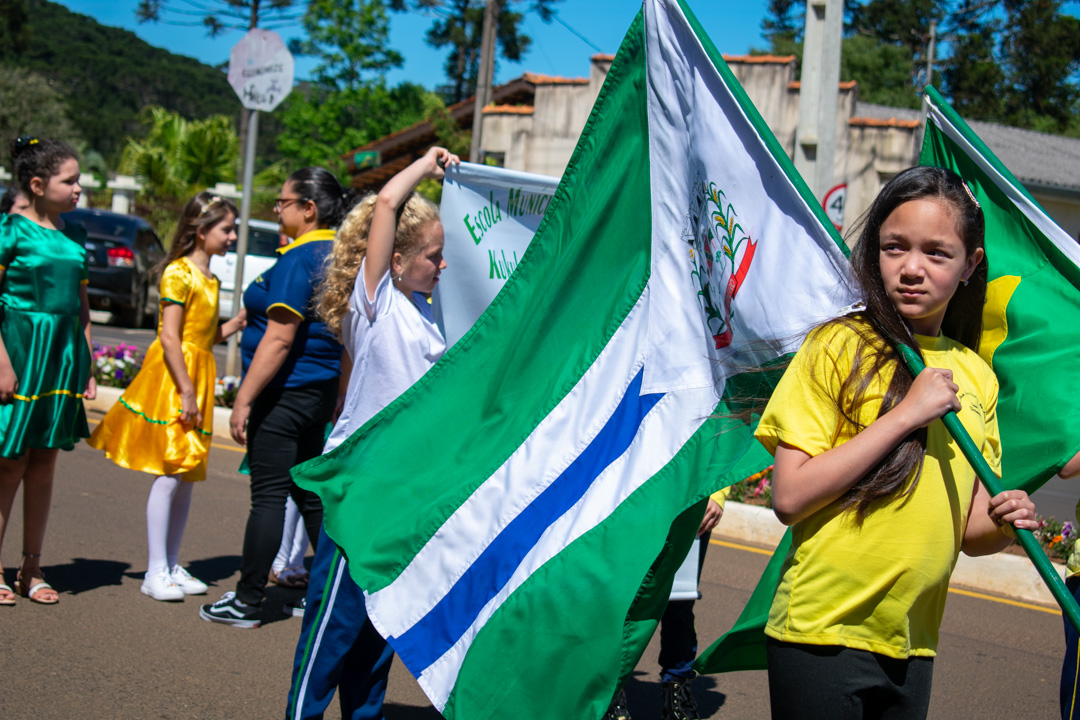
(107, 397)
(1011, 576)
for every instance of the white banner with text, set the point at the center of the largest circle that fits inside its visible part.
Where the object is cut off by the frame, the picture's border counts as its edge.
(489, 216)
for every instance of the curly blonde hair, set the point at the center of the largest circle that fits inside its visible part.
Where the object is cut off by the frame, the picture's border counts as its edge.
(350, 245)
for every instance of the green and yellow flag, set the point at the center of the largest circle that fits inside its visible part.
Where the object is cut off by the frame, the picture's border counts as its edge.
(1031, 322)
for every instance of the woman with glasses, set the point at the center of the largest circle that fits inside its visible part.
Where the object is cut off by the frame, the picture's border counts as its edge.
(290, 388)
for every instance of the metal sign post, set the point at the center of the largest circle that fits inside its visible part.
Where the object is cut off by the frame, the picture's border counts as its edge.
(261, 73)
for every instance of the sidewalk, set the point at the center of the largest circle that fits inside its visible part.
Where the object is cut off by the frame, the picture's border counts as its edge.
(1011, 576)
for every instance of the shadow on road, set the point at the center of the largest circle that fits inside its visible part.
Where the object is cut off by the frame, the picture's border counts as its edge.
(210, 570)
(405, 712)
(646, 699)
(82, 574)
(213, 570)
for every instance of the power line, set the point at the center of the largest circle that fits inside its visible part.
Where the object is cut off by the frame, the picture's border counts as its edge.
(582, 37)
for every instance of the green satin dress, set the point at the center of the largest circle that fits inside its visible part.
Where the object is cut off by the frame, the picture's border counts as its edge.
(39, 322)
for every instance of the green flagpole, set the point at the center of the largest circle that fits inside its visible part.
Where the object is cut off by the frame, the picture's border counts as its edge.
(993, 485)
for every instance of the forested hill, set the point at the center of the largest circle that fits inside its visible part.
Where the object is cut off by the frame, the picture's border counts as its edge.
(108, 74)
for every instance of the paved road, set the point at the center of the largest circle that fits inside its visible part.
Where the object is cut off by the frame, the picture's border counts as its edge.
(106, 651)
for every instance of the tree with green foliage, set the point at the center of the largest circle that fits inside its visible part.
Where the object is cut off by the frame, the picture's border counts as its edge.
(1041, 53)
(348, 104)
(459, 24)
(1012, 61)
(350, 38)
(30, 104)
(177, 158)
(320, 125)
(106, 74)
(219, 16)
(15, 24)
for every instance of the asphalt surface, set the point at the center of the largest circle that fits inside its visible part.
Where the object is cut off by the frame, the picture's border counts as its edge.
(107, 651)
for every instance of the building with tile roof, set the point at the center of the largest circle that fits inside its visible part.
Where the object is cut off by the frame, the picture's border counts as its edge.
(534, 122)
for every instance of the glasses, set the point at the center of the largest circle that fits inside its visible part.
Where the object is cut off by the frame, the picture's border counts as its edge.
(282, 203)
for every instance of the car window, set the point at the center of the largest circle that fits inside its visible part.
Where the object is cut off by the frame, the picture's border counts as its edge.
(103, 226)
(260, 242)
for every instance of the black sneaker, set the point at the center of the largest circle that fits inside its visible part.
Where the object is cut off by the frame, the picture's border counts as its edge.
(618, 710)
(678, 700)
(230, 611)
(296, 609)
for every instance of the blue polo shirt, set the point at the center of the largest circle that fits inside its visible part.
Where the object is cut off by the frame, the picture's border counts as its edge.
(315, 355)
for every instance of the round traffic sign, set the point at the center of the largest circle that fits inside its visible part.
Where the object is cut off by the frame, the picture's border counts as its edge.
(261, 70)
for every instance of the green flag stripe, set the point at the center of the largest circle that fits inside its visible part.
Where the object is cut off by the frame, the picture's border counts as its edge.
(599, 580)
(976, 142)
(495, 391)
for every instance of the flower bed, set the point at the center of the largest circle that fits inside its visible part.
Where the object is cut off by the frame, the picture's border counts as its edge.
(115, 366)
(754, 490)
(225, 390)
(1056, 538)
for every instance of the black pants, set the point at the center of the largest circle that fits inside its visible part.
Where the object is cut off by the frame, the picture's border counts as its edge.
(678, 637)
(826, 682)
(285, 428)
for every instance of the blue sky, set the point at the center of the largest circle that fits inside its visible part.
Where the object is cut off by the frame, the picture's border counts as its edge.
(734, 27)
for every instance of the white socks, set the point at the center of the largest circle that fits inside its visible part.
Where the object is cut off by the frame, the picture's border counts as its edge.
(166, 516)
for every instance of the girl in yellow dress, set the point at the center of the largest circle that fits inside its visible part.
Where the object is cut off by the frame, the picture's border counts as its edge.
(164, 420)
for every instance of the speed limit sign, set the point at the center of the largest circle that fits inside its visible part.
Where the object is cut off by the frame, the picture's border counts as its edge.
(834, 205)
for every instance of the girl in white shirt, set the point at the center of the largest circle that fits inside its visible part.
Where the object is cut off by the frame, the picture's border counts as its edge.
(386, 260)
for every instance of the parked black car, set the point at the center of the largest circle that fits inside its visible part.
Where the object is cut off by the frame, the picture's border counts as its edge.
(121, 250)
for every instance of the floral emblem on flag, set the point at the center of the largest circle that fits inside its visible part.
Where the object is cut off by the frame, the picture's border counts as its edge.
(720, 256)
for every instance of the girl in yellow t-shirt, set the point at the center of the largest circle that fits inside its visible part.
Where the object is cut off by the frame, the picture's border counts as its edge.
(163, 422)
(879, 497)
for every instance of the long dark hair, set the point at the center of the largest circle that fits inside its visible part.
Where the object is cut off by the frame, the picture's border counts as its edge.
(320, 186)
(202, 212)
(880, 327)
(37, 158)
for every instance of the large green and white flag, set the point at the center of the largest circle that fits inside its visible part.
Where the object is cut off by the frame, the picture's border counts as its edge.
(516, 516)
(1031, 321)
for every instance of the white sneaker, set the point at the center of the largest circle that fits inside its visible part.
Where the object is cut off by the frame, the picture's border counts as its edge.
(160, 586)
(187, 584)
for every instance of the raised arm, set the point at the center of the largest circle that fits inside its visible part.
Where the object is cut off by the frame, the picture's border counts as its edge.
(380, 248)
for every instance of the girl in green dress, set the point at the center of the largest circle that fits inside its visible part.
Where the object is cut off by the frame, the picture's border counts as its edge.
(44, 347)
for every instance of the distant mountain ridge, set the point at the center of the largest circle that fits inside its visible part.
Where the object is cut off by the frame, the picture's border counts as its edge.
(108, 74)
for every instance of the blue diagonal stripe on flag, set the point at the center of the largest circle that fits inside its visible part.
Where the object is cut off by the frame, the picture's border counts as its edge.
(435, 633)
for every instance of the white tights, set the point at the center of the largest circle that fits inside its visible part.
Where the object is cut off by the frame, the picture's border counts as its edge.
(166, 515)
(294, 539)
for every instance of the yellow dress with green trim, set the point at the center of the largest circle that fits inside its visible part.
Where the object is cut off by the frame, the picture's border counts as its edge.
(143, 431)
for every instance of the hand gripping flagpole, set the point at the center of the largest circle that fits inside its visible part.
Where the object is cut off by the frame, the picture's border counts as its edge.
(993, 485)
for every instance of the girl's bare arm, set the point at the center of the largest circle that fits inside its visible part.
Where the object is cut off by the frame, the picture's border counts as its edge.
(380, 248)
(172, 320)
(802, 484)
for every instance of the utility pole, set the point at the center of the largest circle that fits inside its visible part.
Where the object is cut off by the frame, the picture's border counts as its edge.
(484, 80)
(921, 130)
(815, 134)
